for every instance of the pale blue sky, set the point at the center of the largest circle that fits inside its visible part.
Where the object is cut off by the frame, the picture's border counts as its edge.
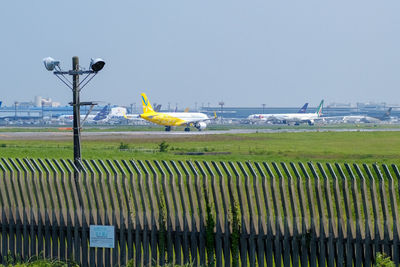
(281, 53)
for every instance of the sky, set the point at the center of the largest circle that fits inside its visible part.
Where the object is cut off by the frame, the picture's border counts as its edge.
(245, 53)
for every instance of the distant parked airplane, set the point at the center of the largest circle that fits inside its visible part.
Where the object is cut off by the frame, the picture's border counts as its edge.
(272, 116)
(367, 119)
(100, 116)
(300, 117)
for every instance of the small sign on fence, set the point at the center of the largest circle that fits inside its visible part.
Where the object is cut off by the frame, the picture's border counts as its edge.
(102, 236)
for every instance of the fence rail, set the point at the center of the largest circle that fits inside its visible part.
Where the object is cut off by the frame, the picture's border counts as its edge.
(226, 213)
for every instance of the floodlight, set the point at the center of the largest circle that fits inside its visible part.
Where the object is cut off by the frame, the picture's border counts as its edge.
(97, 64)
(50, 63)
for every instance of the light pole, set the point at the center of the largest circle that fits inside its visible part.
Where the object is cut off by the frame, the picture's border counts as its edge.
(15, 110)
(221, 103)
(95, 66)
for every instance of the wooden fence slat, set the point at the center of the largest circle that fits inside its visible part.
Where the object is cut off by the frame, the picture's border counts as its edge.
(253, 230)
(27, 208)
(95, 254)
(150, 181)
(73, 181)
(278, 222)
(170, 221)
(90, 214)
(110, 254)
(331, 234)
(382, 191)
(147, 213)
(287, 228)
(185, 214)
(349, 218)
(119, 249)
(22, 240)
(35, 218)
(70, 208)
(321, 216)
(36, 177)
(146, 216)
(62, 201)
(260, 216)
(367, 228)
(200, 208)
(313, 232)
(374, 202)
(11, 208)
(201, 192)
(396, 228)
(393, 204)
(187, 198)
(162, 223)
(50, 219)
(293, 203)
(304, 221)
(194, 211)
(159, 225)
(340, 223)
(127, 176)
(139, 218)
(85, 218)
(45, 200)
(178, 216)
(206, 191)
(4, 222)
(218, 215)
(227, 205)
(245, 229)
(358, 245)
(104, 253)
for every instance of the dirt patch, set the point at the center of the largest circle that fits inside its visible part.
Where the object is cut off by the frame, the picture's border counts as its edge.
(202, 153)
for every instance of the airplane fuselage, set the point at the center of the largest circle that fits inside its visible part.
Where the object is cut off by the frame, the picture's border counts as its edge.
(288, 117)
(174, 118)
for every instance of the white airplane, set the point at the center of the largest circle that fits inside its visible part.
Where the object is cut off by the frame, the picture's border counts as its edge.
(253, 118)
(70, 118)
(171, 119)
(111, 115)
(367, 119)
(288, 118)
(90, 118)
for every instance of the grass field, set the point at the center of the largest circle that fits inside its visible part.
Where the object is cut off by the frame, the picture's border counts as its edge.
(211, 127)
(359, 147)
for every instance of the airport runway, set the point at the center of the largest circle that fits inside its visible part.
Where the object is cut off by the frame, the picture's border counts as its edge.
(54, 136)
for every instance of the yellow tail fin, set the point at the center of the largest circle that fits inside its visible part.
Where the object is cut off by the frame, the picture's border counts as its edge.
(146, 104)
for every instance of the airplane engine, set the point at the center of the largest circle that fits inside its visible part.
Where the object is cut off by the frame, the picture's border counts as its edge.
(201, 125)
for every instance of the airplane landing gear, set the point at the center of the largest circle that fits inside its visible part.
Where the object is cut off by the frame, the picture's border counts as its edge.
(187, 129)
(167, 128)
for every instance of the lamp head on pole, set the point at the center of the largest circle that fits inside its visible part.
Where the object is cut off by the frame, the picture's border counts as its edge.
(50, 63)
(97, 64)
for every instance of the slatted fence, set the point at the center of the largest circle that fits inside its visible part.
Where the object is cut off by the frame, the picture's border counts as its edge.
(184, 212)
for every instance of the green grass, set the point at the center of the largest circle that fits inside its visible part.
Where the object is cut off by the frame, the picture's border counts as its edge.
(349, 147)
(211, 127)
